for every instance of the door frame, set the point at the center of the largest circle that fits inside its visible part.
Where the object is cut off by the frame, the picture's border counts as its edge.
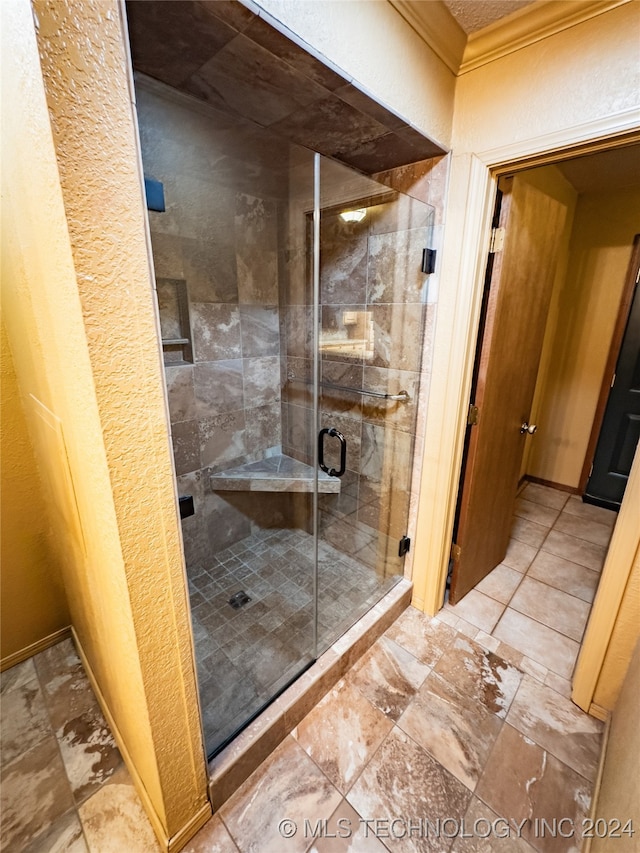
(612, 359)
(471, 195)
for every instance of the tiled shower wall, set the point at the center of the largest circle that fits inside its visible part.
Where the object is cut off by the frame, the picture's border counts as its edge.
(219, 233)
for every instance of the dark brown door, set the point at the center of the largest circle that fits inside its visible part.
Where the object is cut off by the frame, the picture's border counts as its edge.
(517, 302)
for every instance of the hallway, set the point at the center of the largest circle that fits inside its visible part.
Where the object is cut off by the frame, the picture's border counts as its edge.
(538, 600)
(429, 724)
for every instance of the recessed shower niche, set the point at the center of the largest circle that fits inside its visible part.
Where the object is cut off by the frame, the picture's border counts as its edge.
(299, 371)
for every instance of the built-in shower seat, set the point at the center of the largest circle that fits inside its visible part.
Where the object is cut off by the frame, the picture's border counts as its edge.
(278, 473)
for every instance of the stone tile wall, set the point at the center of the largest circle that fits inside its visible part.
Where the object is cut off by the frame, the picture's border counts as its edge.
(224, 189)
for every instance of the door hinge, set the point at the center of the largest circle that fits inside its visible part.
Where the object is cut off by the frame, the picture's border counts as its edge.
(428, 261)
(404, 546)
(472, 415)
(456, 551)
(590, 470)
(613, 381)
(497, 240)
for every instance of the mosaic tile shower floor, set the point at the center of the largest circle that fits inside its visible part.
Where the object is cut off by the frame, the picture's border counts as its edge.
(244, 656)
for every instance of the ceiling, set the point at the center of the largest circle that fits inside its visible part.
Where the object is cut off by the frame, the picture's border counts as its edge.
(606, 171)
(473, 15)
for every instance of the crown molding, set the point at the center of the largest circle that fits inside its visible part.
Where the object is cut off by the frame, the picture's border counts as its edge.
(436, 26)
(527, 26)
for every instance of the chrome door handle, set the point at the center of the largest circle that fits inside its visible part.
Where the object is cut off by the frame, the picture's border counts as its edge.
(530, 428)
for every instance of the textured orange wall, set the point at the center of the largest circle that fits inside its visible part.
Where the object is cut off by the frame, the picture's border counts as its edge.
(33, 600)
(80, 317)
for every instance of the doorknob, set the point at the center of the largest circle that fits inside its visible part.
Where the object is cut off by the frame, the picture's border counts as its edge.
(530, 428)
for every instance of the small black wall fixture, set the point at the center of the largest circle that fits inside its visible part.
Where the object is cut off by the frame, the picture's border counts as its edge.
(154, 191)
(428, 261)
(186, 506)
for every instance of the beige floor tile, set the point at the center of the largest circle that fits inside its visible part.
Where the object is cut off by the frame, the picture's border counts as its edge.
(479, 610)
(556, 609)
(34, 794)
(563, 574)
(24, 720)
(388, 676)
(575, 506)
(455, 730)
(387, 788)
(528, 532)
(501, 583)
(66, 688)
(480, 676)
(545, 495)
(575, 550)
(484, 832)
(534, 669)
(63, 836)
(212, 838)
(89, 752)
(346, 832)
(535, 512)
(288, 785)
(523, 781)
(467, 629)
(17, 676)
(558, 726)
(425, 638)
(519, 555)
(582, 528)
(544, 645)
(560, 685)
(487, 641)
(113, 819)
(342, 733)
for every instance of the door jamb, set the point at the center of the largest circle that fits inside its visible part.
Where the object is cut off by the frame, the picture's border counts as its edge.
(471, 190)
(612, 359)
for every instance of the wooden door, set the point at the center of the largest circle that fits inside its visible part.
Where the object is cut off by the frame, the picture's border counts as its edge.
(620, 428)
(520, 280)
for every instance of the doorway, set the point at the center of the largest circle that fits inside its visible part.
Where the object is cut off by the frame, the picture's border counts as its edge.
(582, 312)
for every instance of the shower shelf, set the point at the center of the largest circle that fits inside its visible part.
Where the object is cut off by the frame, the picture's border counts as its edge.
(274, 474)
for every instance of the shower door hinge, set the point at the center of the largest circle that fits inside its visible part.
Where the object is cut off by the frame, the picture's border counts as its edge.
(472, 415)
(456, 551)
(428, 261)
(497, 240)
(404, 547)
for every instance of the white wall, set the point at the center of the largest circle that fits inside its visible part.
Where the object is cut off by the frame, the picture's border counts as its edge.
(580, 75)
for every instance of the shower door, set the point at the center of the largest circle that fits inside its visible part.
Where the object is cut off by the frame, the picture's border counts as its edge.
(360, 391)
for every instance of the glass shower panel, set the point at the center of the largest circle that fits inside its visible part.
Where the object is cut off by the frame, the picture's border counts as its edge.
(372, 317)
(231, 259)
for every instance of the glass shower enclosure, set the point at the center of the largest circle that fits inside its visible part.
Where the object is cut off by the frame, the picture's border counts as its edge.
(292, 309)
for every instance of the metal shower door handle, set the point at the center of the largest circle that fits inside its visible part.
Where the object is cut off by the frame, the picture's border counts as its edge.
(333, 433)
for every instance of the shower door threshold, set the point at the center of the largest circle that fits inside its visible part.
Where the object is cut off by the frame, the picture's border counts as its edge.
(234, 762)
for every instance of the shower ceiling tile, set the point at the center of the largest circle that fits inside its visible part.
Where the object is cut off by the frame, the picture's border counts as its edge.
(387, 151)
(250, 81)
(172, 39)
(329, 126)
(280, 46)
(224, 54)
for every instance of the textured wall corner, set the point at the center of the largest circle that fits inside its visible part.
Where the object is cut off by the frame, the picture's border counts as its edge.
(130, 611)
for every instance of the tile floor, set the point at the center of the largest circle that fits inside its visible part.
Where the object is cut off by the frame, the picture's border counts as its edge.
(433, 740)
(61, 772)
(245, 656)
(538, 600)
